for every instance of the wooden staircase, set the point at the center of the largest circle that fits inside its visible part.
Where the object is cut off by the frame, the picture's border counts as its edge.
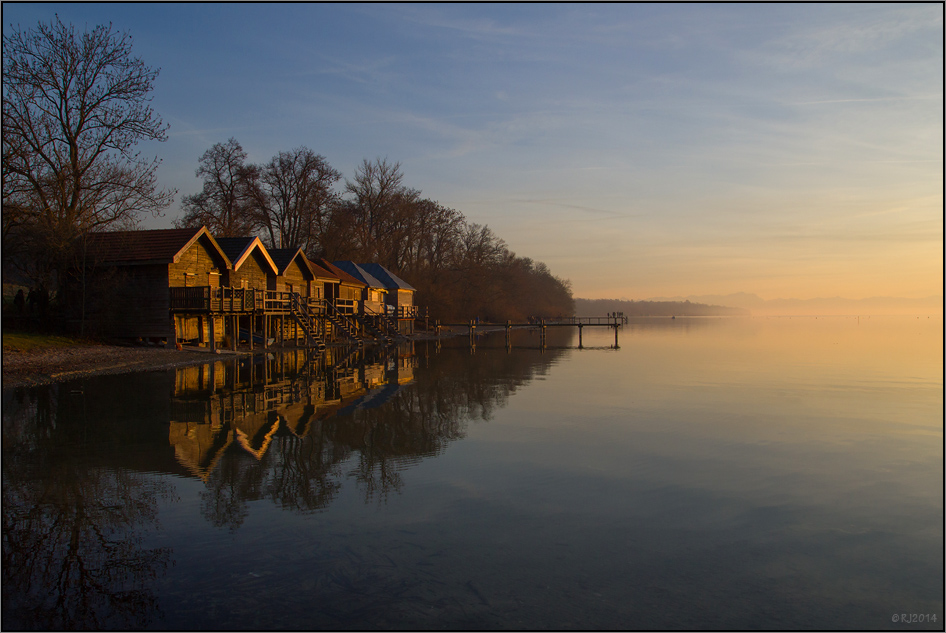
(341, 322)
(306, 321)
(385, 324)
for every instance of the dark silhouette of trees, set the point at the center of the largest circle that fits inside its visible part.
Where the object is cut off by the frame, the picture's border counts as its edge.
(294, 198)
(379, 212)
(227, 202)
(75, 105)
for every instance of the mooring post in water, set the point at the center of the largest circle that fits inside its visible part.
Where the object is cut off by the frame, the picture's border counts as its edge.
(542, 334)
(508, 331)
(616, 336)
(579, 335)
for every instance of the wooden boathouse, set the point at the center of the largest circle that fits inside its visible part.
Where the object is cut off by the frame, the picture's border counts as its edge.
(398, 297)
(129, 283)
(184, 286)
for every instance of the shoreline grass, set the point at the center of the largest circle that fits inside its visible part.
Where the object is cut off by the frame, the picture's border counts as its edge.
(32, 341)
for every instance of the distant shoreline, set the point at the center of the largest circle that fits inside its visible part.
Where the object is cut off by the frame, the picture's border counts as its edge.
(599, 307)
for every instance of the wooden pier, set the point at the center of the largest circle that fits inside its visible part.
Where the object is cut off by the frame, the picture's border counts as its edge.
(616, 321)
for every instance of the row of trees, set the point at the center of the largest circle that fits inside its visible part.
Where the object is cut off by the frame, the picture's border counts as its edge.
(75, 106)
(461, 269)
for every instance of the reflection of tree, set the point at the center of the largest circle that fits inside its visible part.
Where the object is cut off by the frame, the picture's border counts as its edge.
(72, 553)
(371, 436)
(236, 480)
(305, 476)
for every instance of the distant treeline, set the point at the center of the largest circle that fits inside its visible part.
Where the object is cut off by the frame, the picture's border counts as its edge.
(600, 307)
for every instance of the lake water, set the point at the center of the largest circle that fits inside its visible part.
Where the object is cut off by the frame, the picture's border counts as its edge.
(709, 474)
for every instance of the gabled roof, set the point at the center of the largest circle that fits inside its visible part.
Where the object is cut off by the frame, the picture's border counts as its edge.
(343, 276)
(283, 258)
(321, 272)
(238, 249)
(385, 276)
(158, 246)
(359, 273)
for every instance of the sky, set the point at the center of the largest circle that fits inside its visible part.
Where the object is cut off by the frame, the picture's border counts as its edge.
(785, 150)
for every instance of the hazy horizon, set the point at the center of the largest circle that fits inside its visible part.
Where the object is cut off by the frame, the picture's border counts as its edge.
(818, 306)
(639, 150)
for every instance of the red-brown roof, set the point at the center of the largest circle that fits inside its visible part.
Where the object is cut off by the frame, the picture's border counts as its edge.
(338, 272)
(138, 247)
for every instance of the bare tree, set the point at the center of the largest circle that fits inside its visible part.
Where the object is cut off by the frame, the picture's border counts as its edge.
(75, 105)
(228, 199)
(380, 211)
(295, 198)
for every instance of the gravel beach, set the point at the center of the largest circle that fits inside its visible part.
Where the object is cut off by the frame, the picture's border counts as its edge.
(62, 363)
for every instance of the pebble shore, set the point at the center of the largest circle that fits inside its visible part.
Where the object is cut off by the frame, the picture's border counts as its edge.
(63, 363)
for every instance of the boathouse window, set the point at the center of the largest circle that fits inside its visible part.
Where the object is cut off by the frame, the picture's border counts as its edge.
(213, 279)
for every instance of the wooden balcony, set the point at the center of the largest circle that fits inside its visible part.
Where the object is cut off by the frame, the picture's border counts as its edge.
(232, 300)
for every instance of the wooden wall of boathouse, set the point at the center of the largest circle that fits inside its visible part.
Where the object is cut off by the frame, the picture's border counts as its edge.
(299, 279)
(196, 267)
(123, 302)
(199, 265)
(254, 272)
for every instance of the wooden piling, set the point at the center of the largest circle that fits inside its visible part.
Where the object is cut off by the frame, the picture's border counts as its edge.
(249, 329)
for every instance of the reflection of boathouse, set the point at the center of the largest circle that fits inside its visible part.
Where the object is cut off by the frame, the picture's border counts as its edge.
(244, 404)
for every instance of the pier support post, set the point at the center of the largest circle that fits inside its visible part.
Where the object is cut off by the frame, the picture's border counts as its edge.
(172, 333)
(213, 334)
(235, 331)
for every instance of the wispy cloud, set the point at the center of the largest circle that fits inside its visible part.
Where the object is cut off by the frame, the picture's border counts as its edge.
(869, 100)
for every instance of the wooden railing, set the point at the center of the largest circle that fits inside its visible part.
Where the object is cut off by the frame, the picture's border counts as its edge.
(346, 306)
(617, 318)
(407, 312)
(208, 299)
(194, 298)
(395, 312)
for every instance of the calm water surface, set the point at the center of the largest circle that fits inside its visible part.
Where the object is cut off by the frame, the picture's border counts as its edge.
(710, 473)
